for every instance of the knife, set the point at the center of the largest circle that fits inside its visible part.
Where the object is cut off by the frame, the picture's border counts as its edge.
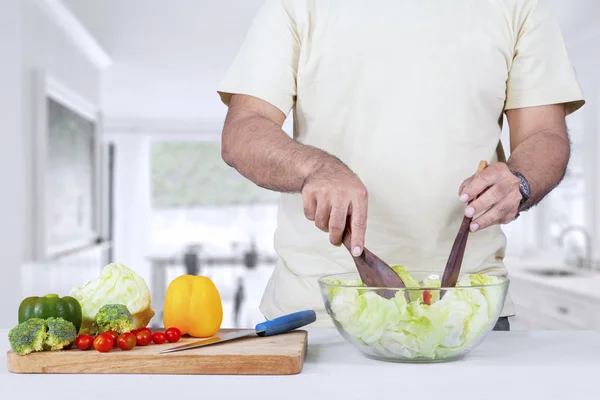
(276, 326)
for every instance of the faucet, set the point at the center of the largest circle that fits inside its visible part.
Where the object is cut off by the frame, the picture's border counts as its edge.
(585, 261)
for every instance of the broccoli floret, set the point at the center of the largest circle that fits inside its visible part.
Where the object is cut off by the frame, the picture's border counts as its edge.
(115, 317)
(28, 336)
(61, 333)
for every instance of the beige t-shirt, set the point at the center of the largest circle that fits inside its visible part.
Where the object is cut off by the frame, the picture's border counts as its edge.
(410, 95)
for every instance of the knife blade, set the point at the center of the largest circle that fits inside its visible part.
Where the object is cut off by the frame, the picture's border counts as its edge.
(273, 327)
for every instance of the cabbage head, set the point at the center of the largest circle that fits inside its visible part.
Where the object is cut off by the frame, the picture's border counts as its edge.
(116, 284)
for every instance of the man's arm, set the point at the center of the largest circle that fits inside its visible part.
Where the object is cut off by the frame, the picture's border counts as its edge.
(540, 150)
(540, 147)
(255, 145)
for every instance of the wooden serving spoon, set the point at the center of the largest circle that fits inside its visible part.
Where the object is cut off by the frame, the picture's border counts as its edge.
(373, 271)
(452, 270)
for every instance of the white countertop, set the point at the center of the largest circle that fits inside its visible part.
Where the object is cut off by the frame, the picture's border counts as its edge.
(583, 283)
(508, 365)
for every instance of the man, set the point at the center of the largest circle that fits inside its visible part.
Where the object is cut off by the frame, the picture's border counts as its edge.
(395, 103)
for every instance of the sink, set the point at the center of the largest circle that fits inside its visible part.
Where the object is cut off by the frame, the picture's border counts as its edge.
(551, 272)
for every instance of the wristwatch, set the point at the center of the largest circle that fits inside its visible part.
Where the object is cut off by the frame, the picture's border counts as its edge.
(525, 190)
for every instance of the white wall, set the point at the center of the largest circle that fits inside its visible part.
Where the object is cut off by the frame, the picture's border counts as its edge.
(48, 48)
(585, 55)
(12, 178)
(163, 93)
(132, 200)
(29, 40)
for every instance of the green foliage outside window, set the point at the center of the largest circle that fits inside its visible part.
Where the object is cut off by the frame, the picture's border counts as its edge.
(193, 174)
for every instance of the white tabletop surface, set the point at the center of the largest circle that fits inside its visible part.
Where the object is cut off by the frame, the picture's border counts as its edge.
(508, 365)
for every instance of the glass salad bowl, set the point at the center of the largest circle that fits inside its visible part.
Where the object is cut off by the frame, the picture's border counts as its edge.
(422, 323)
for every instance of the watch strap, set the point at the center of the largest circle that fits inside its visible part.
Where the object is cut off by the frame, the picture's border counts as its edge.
(524, 189)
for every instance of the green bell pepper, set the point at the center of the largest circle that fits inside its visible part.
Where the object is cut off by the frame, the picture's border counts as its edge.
(51, 305)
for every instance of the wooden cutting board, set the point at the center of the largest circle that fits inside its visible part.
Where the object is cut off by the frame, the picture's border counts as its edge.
(274, 355)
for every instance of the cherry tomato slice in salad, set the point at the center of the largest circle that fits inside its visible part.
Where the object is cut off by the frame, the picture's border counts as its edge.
(427, 297)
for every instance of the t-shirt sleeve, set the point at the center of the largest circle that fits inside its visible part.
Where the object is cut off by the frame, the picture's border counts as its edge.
(266, 65)
(541, 71)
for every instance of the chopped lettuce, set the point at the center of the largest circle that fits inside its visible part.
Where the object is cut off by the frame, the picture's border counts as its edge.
(406, 277)
(409, 281)
(414, 329)
(334, 290)
(490, 291)
(430, 282)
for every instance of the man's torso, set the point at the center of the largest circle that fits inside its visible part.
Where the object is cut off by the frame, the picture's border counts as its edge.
(409, 94)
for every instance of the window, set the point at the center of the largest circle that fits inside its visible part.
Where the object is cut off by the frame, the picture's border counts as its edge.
(197, 198)
(540, 229)
(565, 205)
(209, 218)
(192, 174)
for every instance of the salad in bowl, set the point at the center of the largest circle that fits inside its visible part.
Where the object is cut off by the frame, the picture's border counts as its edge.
(420, 323)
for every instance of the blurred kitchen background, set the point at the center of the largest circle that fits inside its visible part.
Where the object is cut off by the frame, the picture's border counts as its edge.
(110, 152)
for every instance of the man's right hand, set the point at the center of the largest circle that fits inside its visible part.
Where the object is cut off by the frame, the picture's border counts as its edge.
(255, 145)
(331, 194)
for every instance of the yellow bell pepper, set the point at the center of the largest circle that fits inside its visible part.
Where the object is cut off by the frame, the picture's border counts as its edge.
(193, 305)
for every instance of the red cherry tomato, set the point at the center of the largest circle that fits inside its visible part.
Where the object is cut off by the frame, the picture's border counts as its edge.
(103, 343)
(145, 328)
(135, 331)
(114, 335)
(126, 341)
(173, 335)
(427, 297)
(159, 337)
(143, 338)
(84, 342)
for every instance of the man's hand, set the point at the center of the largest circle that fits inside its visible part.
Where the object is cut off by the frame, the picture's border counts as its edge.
(330, 195)
(254, 144)
(540, 150)
(499, 199)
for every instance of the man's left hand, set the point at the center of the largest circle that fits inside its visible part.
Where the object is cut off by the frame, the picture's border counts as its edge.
(499, 196)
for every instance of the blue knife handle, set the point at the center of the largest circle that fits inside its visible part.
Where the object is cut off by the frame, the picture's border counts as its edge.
(286, 323)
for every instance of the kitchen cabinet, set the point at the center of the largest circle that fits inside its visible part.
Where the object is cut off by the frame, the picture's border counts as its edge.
(539, 306)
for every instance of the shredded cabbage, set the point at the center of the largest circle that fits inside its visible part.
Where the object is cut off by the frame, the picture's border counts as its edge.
(395, 327)
(116, 284)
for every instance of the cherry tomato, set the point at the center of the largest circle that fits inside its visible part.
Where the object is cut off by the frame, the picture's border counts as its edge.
(114, 335)
(103, 343)
(173, 335)
(84, 342)
(126, 341)
(145, 328)
(143, 338)
(427, 297)
(159, 337)
(135, 331)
